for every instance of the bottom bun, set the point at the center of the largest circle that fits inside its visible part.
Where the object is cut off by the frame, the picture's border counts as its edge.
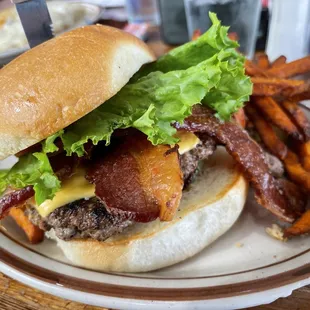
(209, 207)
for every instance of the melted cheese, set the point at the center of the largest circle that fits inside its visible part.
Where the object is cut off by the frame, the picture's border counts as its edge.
(75, 188)
(188, 141)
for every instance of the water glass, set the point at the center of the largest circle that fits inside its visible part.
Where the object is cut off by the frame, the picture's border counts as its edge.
(241, 15)
(143, 11)
(289, 30)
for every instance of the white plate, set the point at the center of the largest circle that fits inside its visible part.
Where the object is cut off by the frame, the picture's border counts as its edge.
(243, 268)
(91, 14)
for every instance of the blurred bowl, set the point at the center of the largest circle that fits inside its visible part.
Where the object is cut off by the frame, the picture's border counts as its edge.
(65, 15)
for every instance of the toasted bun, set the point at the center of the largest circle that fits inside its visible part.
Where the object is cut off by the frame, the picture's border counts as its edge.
(56, 83)
(208, 209)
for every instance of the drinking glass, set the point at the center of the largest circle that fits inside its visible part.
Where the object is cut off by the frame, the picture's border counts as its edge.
(289, 30)
(241, 15)
(142, 11)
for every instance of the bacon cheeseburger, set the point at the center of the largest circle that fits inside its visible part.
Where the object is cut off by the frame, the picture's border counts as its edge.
(117, 158)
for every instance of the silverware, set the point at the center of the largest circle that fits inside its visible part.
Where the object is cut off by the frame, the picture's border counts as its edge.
(36, 20)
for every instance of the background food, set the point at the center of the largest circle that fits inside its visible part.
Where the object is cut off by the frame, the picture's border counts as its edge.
(64, 16)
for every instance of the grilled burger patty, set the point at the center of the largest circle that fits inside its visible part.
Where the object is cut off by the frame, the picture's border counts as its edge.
(83, 219)
(189, 160)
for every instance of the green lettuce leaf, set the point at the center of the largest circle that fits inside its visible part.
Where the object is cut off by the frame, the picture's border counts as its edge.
(3, 183)
(230, 94)
(150, 105)
(213, 41)
(48, 145)
(32, 169)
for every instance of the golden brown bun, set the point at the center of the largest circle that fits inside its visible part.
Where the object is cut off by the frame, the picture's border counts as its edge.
(56, 83)
(208, 209)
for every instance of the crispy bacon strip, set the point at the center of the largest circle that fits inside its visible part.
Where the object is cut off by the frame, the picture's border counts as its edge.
(295, 195)
(13, 199)
(63, 165)
(138, 180)
(248, 154)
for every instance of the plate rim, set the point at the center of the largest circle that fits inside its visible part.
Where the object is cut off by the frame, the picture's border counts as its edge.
(134, 276)
(244, 301)
(38, 273)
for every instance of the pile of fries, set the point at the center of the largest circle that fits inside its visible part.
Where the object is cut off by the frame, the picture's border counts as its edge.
(280, 122)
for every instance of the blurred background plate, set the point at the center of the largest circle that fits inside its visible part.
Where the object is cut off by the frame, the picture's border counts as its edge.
(65, 16)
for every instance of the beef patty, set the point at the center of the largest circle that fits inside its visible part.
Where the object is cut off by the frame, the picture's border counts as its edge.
(189, 161)
(83, 219)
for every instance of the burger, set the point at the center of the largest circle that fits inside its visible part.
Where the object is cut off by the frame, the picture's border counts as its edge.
(129, 163)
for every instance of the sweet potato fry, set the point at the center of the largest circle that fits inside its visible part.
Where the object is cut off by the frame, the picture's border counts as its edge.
(301, 90)
(291, 162)
(274, 86)
(281, 60)
(34, 233)
(196, 34)
(305, 155)
(262, 60)
(304, 95)
(277, 116)
(298, 117)
(233, 36)
(265, 131)
(240, 118)
(287, 70)
(252, 69)
(296, 171)
(300, 227)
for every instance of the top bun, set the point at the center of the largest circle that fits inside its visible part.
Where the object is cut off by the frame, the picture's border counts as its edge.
(54, 84)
